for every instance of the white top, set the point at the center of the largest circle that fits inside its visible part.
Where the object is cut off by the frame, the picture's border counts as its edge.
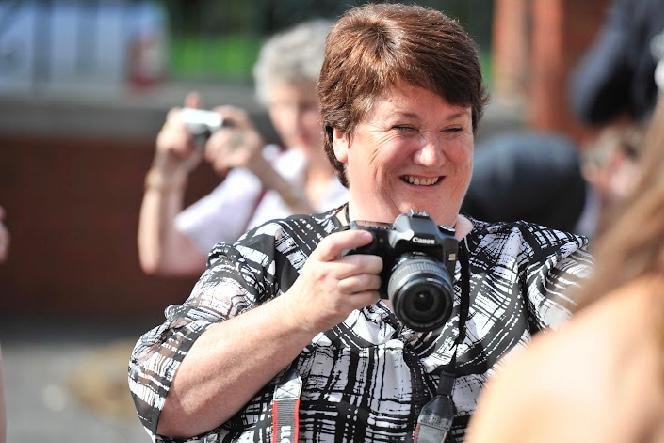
(226, 213)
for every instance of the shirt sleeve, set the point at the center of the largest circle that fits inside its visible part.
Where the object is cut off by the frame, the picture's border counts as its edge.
(224, 214)
(238, 277)
(558, 263)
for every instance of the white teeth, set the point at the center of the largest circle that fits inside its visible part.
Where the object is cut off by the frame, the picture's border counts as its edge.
(421, 181)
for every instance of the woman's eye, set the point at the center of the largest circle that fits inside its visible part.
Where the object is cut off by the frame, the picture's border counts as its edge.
(404, 129)
(453, 129)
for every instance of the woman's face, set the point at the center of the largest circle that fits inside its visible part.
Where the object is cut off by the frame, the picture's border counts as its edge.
(413, 150)
(295, 114)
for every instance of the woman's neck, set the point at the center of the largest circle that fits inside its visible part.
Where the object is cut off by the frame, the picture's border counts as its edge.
(462, 227)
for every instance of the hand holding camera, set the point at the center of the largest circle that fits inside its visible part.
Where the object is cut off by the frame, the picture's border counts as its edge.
(225, 137)
(419, 258)
(202, 123)
(330, 286)
(230, 138)
(178, 150)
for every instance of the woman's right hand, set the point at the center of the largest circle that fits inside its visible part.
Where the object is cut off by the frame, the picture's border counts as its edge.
(176, 149)
(237, 146)
(331, 286)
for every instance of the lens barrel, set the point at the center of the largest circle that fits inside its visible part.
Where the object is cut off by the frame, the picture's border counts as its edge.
(421, 292)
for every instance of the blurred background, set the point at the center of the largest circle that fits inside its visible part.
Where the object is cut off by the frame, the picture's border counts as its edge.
(85, 87)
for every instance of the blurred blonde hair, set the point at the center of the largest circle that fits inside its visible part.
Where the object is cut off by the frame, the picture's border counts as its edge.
(632, 245)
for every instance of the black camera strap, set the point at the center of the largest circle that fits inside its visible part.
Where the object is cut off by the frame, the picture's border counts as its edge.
(435, 419)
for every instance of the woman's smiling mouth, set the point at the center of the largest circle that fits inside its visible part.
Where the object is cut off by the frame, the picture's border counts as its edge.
(420, 181)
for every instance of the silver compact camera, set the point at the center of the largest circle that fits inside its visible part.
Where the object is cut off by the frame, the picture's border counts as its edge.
(202, 123)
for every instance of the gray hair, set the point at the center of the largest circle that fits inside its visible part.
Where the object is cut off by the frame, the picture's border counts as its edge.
(290, 57)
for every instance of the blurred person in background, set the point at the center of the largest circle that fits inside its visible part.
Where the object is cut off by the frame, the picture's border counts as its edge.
(284, 319)
(530, 176)
(260, 182)
(611, 166)
(613, 91)
(545, 178)
(600, 377)
(614, 82)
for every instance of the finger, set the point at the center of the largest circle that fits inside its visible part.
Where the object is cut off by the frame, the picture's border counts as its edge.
(358, 264)
(226, 141)
(193, 100)
(174, 121)
(238, 116)
(217, 147)
(210, 152)
(330, 247)
(359, 283)
(171, 117)
(364, 298)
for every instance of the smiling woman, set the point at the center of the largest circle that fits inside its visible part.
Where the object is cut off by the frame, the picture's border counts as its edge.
(413, 150)
(287, 335)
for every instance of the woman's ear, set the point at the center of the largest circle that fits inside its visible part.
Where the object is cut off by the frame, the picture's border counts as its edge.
(340, 145)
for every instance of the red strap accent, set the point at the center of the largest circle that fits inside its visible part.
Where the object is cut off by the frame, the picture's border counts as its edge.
(286, 426)
(275, 427)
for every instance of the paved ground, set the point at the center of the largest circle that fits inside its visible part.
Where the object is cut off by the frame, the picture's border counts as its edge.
(67, 382)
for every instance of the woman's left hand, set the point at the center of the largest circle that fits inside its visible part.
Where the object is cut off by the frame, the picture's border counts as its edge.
(235, 146)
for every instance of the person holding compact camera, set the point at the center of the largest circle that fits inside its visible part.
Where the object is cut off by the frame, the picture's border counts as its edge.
(382, 319)
(259, 182)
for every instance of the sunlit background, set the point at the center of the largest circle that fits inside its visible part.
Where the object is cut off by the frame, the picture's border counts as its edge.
(84, 88)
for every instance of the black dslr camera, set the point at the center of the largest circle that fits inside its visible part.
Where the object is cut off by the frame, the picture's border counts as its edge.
(418, 267)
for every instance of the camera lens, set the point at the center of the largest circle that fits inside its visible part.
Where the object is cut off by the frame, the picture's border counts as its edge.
(421, 292)
(423, 301)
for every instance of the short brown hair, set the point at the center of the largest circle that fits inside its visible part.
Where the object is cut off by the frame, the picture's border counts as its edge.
(373, 47)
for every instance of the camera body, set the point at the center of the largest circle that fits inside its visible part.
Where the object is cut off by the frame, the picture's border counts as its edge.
(419, 258)
(201, 123)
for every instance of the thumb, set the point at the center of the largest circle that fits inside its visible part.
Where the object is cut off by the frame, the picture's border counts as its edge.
(331, 247)
(193, 100)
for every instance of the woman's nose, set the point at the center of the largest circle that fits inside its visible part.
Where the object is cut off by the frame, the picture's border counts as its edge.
(430, 153)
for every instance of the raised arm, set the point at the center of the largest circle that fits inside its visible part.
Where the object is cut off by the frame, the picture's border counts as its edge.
(233, 359)
(250, 349)
(242, 146)
(162, 248)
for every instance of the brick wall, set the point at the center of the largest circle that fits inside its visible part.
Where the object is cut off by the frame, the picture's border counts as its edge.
(537, 45)
(72, 208)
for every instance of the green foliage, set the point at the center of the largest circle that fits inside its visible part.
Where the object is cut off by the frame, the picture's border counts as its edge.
(218, 40)
(214, 58)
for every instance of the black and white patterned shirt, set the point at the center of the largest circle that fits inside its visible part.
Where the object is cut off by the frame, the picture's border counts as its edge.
(368, 377)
